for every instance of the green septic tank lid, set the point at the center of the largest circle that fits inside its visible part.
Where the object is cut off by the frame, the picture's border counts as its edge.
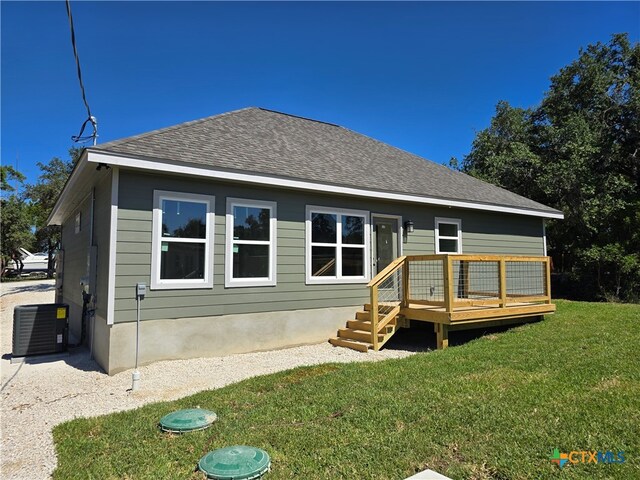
(235, 463)
(187, 420)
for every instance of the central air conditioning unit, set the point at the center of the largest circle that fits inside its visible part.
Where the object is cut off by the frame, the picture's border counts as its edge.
(40, 329)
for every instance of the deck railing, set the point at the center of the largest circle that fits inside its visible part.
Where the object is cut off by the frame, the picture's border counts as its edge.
(387, 290)
(454, 281)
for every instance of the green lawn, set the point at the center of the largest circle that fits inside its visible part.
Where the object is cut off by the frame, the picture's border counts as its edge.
(492, 408)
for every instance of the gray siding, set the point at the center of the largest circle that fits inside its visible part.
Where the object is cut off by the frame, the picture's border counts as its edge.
(76, 251)
(482, 233)
(76, 248)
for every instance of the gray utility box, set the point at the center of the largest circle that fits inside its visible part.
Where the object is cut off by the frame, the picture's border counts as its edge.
(40, 329)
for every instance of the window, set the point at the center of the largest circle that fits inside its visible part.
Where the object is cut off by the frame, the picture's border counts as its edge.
(250, 259)
(182, 245)
(448, 233)
(337, 245)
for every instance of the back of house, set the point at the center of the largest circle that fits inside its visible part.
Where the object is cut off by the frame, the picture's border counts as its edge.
(256, 230)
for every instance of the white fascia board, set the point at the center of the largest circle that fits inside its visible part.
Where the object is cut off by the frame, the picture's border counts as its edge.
(153, 165)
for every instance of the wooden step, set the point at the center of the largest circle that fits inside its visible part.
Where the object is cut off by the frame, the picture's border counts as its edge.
(366, 326)
(356, 335)
(359, 325)
(363, 315)
(367, 307)
(354, 345)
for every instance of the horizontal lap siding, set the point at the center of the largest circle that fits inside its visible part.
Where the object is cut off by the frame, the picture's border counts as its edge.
(502, 234)
(133, 257)
(76, 250)
(76, 247)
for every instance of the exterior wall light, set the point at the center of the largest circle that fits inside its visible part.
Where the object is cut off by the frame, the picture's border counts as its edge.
(408, 226)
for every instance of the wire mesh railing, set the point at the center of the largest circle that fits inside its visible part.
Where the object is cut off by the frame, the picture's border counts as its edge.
(387, 295)
(476, 280)
(454, 281)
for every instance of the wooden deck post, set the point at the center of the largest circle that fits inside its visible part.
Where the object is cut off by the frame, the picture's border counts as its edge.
(502, 270)
(405, 284)
(374, 317)
(442, 336)
(447, 272)
(548, 280)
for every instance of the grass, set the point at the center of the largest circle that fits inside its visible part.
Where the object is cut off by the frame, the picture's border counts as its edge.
(493, 408)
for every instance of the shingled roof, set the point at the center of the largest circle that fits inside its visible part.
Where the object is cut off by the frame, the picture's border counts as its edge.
(265, 142)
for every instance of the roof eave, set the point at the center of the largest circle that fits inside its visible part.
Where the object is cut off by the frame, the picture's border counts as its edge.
(78, 170)
(96, 155)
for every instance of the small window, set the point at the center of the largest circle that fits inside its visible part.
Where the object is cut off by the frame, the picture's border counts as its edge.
(337, 246)
(250, 259)
(182, 254)
(448, 234)
(78, 226)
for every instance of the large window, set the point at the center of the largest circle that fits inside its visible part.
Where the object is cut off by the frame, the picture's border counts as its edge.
(250, 259)
(448, 234)
(337, 245)
(182, 253)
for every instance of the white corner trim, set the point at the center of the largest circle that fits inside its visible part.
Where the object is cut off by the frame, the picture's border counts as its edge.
(166, 167)
(438, 237)
(157, 239)
(113, 240)
(270, 281)
(309, 279)
(544, 238)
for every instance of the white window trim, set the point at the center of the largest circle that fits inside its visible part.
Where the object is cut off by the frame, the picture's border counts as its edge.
(310, 280)
(458, 238)
(157, 239)
(269, 281)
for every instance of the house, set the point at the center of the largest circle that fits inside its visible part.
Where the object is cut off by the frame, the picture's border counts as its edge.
(255, 230)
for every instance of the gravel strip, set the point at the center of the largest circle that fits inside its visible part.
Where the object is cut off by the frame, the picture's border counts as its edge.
(38, 396)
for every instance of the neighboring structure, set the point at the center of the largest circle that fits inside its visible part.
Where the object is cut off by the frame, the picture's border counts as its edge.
(256, 230)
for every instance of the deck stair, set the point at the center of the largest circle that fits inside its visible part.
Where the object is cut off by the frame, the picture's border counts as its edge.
(453, 292)
(358, 333)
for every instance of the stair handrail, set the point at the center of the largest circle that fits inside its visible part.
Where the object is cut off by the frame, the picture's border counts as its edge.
(386, 271)
(373, 286)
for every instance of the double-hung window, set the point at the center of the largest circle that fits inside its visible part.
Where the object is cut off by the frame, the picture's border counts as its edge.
(250, 259)
(448, 234)
(337, 249)
(182, 240)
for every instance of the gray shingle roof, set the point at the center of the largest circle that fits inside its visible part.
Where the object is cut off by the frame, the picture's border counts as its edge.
(261, 141)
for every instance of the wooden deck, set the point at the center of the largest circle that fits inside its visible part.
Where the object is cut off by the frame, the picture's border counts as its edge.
(453, 292)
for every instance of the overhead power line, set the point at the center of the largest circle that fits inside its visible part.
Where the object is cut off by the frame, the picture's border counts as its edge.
(90, 118)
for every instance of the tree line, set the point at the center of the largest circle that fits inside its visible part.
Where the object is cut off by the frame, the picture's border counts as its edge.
(579, 152)
(26, 207)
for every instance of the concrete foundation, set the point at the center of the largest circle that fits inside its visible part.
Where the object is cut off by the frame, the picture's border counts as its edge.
(183, 338)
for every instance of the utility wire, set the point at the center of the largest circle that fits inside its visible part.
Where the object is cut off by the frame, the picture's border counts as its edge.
(90, 118)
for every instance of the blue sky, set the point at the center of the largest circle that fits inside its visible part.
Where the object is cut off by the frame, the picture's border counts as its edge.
(420, 76)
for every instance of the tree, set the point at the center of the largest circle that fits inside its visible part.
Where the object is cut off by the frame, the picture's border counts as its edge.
(16, 231)
(43, 196)
(579, 151)
(8, 173)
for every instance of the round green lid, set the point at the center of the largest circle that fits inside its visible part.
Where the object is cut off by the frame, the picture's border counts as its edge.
(235, 463)
(187, 420)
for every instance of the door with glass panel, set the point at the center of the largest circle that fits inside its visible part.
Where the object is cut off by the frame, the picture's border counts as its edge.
(385, 242)
(385, 249)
